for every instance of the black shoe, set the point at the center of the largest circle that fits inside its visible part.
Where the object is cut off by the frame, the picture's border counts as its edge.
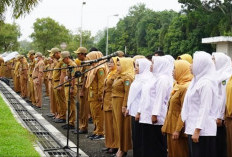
(83, 131)
(90, 120)
(112, 151)
(91, 136)
(98, 137)
(68, 125)
(50, 115)
(59, 120)
(105, 149)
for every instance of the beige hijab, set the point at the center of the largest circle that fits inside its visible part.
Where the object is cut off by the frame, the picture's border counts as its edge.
(91, 74)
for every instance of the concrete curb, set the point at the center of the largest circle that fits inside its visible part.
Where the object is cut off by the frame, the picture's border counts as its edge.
(56, 133)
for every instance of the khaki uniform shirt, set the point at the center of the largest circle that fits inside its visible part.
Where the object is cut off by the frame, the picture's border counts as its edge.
(97, 86)
(173, 120)
(38, 70)
(121, 87)
(107, 95)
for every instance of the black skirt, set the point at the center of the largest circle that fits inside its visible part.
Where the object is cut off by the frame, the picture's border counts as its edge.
(136, 137)
(206, 147)
(153, 142)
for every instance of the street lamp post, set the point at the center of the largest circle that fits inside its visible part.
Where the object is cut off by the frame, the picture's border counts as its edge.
(107, 32)
(83, 3)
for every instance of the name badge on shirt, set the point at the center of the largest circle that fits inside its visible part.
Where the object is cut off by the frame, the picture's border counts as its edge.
(224, 82)
(127, 83)
(91, 94)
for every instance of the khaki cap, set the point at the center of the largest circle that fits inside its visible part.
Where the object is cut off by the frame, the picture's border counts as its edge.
(20, 56)
(31, 52)
(53, 51)
(38, 54)
(81, 50)
(120, 54)
(65, 54)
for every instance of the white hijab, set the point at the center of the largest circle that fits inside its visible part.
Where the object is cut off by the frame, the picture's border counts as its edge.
(203, 68)
(161, 66)
(171, 61)
(140, 79)
(223, 66)
(160, 69)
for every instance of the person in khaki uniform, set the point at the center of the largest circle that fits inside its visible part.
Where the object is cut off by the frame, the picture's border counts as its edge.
(37, 76)
(4, 69)
(109, 122)
(31, 91)
(228, 117)
(17, 76)
(173, 125)
(65, 57)
(1, 66)
(120, 91)
(23, 68)
(53, 108)
(83, 93)
(8, 69)
(58, 92)
(46, 76)
(95, 84)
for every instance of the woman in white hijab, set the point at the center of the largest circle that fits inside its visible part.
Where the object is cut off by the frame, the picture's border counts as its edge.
(142, 75)
(224, 72)
(153, 107)
(200, 107)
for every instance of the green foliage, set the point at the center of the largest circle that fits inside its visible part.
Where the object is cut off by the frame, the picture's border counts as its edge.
(144, 31)
(20, 7)
(15, 140)
(48, 34)
(9, 34)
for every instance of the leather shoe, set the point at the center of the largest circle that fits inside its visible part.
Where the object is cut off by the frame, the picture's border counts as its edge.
(59, 120)
(83, 131)
(105, 149)
(66, 127)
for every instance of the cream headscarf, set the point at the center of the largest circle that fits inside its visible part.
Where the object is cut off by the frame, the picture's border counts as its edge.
(91, 74)
(203, 69)
(186, 57)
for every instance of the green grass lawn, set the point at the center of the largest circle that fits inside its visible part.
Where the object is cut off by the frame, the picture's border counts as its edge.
(15, 141)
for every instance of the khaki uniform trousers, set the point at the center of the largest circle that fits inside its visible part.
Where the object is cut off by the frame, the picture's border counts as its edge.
(228, 125)
(23, 84)
(38, 93)
(72, 115)
(123, 124)
(31, 90)
(53, 104)
(83, 110)
(60, 100)
(46, 86)
(17, 84)
(110, 129)
(97, 115)
(177, 148)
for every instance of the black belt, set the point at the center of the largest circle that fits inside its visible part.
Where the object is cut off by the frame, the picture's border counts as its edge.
(56, 80)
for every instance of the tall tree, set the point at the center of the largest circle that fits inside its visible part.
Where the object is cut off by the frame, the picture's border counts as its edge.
(9, 34)
(20, 7)
(49, 33)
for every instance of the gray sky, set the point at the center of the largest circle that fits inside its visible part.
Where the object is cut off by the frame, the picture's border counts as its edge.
(95, 13)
